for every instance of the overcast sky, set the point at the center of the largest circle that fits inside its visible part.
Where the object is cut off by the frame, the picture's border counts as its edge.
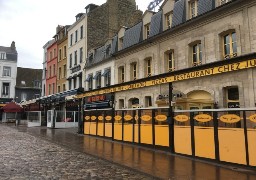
(31, 23)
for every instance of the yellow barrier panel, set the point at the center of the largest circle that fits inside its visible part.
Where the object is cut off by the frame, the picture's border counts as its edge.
(93, 128)
(232, 145)
(182, 139)
(252, 146)
(108, 129)
(146, 134)
(100, 129)
(162, 135)
(118, 131)
(136, 133)
(128, 132)
(87, 127)
(204, 142)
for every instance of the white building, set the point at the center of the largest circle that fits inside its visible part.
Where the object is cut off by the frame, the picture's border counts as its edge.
(77, 51)
(8, 71)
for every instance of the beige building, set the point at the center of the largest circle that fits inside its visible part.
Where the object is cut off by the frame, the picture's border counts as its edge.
(182, 41)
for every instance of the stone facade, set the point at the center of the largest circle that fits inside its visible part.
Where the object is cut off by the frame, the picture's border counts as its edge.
(208, 29)
(105, 20)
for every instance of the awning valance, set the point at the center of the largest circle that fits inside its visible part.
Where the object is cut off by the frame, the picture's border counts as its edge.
(106, 72)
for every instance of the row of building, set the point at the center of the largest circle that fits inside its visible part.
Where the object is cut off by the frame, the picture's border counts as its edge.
(17, 83)
(114, 47)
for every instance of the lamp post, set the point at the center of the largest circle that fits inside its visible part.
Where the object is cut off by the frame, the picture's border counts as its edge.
(171, 119)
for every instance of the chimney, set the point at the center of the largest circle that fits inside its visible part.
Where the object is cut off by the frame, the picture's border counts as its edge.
(13, 46)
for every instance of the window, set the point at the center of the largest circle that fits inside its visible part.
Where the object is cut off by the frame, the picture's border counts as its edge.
(54, 53)
(23, 96)
(50, 72)
(121, 103)
(44, 90)
(193, 8)
(2, 56)
(133, 71)
(147, 30)
(224, 1)
(64, 87)
(59, 73)
(70, 84)
(107, 77)
(80, 81)
(168, 20)
(97, 78)
(60, 55)
(54, 70)
(196, 54)
(232, 97)
(65, 51)
(64, 70)
(51, 55)
(170, 61)
(49, 89)
(148, 65)
(89, 79)
(81, 32)
(75, 58)
(71, 39)
(75, 83)
(6, 90)
(230, 45)
(108, 50)
(121, 74)
(121, 43)
(81, 55)
(70, 60)
(59, 89)
(7, 71)
(76, 36)
(148, 101)
(37, 84)
(53, 88)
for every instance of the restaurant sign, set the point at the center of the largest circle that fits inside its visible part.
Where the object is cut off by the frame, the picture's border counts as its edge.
(175, 78)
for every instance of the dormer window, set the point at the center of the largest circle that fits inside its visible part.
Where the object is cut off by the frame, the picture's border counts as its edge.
(193, 6)
(91, 57)
(108, 48)
(168, 20)
(147, 30)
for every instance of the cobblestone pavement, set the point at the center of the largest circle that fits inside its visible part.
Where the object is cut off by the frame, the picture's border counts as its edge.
(23, 156)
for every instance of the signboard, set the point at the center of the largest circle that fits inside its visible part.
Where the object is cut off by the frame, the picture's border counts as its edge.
(161, 117)
(181, 118)
(230, 118)
(127, 117)
(253, 118)
(203, 118)
(146, 118)
(175, 78)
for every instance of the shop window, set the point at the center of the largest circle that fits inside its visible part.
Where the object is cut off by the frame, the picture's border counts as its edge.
(168, 20)
(196, 54)
(230, 45)
(193, 7)
(121, 74)
(169, 58)
(133, 71)
(148, 101)
(147, 30)
(148, 66)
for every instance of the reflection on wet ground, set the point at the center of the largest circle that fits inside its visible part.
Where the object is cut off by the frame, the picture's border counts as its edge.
(154, 162)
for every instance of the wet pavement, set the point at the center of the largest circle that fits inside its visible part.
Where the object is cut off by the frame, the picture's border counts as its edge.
(153, 162)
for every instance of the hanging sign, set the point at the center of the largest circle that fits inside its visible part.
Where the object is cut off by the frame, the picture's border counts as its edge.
(230, 118)
(181, 118)
(93, 118)
(108, 118)
(127, 117)
(146, 118)
(100, 118)
(161, 118)
(118, 118)
(203, 118)
(253, 118)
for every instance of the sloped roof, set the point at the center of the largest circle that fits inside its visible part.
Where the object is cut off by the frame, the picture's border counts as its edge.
(29, 76)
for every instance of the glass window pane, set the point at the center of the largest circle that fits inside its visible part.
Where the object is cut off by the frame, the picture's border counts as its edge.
(233, 93)
(234, 47)
(227, 49)
(226, 39)
(234, 37)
